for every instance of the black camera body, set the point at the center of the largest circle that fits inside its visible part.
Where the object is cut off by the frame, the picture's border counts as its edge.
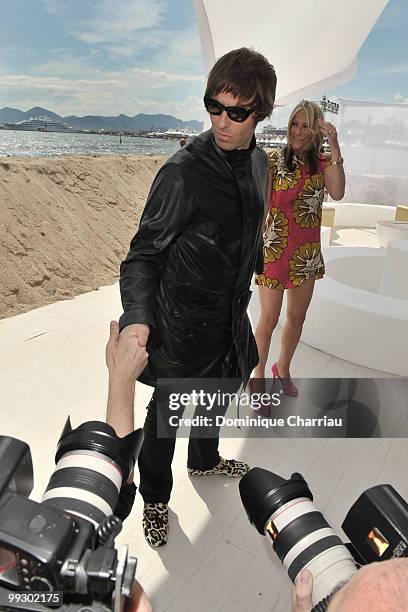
(377, 525)
(65, 544)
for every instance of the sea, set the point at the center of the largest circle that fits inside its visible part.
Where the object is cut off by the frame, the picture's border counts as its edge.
(16, 143)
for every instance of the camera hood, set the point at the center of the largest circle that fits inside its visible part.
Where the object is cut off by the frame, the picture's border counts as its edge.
(263, 492)
(100, 437)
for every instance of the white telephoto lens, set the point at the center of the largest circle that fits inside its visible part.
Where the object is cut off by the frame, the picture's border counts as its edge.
(328, 569)
(291, 511)
(304, 543)
(302, 539)
(85, 484)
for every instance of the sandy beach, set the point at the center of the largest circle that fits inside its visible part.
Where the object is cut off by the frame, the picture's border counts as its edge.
(67, 224)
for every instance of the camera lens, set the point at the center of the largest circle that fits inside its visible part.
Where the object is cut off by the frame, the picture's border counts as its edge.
(283, 510)
(91, 463)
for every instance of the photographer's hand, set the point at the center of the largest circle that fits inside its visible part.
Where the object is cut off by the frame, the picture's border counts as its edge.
(126, 356)
(138, 601)
(302, 592)
(125, 359)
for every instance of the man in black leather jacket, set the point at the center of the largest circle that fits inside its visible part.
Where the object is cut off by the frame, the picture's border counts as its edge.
(185, 282)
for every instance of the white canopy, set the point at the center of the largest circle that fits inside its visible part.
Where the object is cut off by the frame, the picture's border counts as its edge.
(312, 44)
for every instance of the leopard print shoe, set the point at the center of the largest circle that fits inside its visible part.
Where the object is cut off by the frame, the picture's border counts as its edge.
(156, 524)
(226, 467)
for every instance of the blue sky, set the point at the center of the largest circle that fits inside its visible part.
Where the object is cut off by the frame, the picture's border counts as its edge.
(108, 57)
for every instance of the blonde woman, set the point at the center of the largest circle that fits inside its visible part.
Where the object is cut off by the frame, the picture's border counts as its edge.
(299, 174)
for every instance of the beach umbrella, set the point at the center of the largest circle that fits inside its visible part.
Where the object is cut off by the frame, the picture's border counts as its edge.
(313, 44)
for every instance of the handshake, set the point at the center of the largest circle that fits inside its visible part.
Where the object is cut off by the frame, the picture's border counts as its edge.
(126, 358)
(126, 355)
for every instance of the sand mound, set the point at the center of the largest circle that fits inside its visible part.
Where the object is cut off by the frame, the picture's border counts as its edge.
(67, 224)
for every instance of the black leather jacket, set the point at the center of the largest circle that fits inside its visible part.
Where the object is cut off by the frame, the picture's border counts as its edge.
(189, 268)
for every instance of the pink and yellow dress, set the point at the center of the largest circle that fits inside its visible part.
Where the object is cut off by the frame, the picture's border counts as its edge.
(291, 236)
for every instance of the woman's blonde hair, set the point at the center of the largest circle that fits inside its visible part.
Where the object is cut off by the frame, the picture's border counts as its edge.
(313, 113)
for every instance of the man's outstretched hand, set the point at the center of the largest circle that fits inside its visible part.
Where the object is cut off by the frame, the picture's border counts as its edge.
(302, 592)
(126, 355)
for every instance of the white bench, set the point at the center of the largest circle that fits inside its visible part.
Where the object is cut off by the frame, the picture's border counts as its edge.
(351, 214)
(348, 318)
(391, 230)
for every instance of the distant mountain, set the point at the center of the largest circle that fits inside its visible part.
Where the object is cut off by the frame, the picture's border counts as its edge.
(97, 122)
(11, 115)
(41, 113)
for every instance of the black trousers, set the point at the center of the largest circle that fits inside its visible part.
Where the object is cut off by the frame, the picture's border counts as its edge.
(156, 455)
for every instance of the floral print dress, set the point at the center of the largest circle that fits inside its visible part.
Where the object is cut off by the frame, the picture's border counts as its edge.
(291, 236)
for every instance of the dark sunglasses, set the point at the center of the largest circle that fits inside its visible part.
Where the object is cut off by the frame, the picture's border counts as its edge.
(235, 113)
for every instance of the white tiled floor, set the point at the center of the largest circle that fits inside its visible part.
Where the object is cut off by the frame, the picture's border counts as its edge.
(52, 365)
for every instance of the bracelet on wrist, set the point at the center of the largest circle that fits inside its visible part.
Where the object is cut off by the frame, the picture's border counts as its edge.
(338, 162)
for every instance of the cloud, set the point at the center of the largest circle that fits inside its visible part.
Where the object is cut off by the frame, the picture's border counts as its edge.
(75, 67)
(136, 30)
(55, 7)
(398, 97)
(171, 70)
(170, 50)
(113, 94)
(123, 34)
(120, 56)
(163, 78)
(119, 20)
(66, 64)
(181, 51)
(395, 69)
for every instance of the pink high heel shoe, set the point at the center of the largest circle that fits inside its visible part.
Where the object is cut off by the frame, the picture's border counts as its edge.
(288, 387)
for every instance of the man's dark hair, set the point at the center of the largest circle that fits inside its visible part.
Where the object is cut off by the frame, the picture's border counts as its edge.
(247, 75)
